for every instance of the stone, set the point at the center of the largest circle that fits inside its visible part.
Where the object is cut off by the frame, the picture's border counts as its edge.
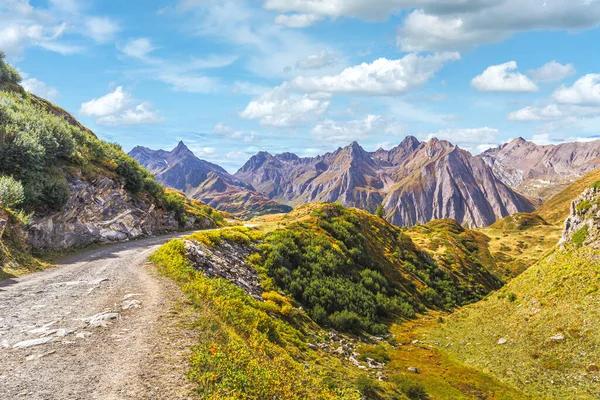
(502, 341)
(33, 342)
(557, 337)
(129, 304)
(102, 319)
(312, 346)
(414, 370)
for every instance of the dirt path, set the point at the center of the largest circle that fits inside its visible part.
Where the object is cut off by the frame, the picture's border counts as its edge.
(103, 325)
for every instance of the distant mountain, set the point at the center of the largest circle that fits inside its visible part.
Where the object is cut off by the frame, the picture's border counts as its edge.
(199, 179)
(542, 171)
(416, 182)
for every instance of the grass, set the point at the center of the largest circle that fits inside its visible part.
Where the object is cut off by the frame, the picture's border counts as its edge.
(559, 295)
(556, 210)
(517, 242)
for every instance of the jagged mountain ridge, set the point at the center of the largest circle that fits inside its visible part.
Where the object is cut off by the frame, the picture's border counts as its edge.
(416, 182)
(199, 179)
(542, 171)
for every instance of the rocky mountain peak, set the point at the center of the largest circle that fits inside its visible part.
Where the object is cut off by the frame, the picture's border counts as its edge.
(582, 227)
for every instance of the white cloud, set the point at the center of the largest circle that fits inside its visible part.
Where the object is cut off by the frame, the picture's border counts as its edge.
(231, 133)
(346, 131)
(498, 78)
(474, 140)
(39, 88)
(544, 139)
(536, 113)
(382, 77)
(119, 108)
(422, 32)
(297, 20)
(319, 60)
(138, 48)
(585, 91)
(281, 108)
(101, 29)
(248, 88)
(552, 72)
(180, 75)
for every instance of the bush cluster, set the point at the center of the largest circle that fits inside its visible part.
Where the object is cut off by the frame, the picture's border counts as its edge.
(8, 73)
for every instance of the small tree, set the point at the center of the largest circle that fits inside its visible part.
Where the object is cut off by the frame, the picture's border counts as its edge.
(11, 192)
(380, 212)
(8, 73)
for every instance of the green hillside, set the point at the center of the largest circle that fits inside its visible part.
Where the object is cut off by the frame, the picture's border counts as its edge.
(321, 267)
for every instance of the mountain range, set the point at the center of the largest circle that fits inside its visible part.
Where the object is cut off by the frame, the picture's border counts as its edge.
(415, 182)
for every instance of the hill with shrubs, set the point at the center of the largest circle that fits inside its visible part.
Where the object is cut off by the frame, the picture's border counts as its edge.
(59, 182)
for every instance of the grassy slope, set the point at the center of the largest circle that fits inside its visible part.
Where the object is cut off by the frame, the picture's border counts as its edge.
(519, 241)
(220, 366)
(557, 296)
(556, 210)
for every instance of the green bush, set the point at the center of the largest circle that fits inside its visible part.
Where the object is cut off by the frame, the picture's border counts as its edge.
(580, 236)
(380, 212)
(583, 207)
(56, 191)
(368, 387)
(11, 192)
(412, 389)
(8, 73)
(596, 185)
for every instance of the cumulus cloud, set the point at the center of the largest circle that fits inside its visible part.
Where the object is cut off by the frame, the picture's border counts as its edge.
(552, 72)
(119, 108)
(101, 29)
(319, 60)
(37, 87)
(382, 77)
(297, 20)
(536, 113)
(585, 91)
(343, 132)
(280, 107)
(499, 78)
(139, 48)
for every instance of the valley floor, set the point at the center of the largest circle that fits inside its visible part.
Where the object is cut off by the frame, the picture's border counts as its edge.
(101, 326)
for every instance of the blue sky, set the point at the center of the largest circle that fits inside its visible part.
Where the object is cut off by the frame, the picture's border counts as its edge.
(232, 77)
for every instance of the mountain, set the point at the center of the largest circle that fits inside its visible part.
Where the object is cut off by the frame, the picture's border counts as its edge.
(542, 171)
(199, 179)
(416, 182)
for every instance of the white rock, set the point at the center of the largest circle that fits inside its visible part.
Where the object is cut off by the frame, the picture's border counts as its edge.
(98, 281)
(102, 319)
(127, 304)
(502, 341)
(33, 342)
(557, 337)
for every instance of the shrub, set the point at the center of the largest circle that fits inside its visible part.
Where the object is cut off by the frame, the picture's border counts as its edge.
(11, 192)
(412, 389)
(596, 185)
(583, 206)
(56, 191)
(8, 73)
(580, 236)
(511, 297)
(368, 387)
(380, 212)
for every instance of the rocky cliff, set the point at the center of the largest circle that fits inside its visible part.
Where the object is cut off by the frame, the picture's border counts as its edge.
(199, 179)
(102, 211)
(582, 227)
(416, 182)
(541, 171)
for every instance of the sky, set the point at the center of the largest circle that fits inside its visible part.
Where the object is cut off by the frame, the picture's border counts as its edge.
(234, 77)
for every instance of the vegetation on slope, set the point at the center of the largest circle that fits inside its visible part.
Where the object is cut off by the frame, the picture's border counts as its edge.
(548, 317)
(556, 210)
(519, 241)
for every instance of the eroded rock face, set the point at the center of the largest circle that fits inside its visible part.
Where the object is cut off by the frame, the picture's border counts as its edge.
(227, 261)
(100, 212)
(3, 221)
(582, 227)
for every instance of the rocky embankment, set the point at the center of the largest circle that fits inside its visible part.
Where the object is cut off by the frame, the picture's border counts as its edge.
(102, 211)
(582, 227)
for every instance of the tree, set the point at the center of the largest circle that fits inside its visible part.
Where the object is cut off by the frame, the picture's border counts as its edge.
(11, 192)
(8, 73)
(380, 212)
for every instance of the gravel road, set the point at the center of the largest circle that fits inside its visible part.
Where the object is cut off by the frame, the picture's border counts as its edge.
(102, 325)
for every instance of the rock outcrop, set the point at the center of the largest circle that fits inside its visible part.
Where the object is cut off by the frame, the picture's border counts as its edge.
(582, 227)
(541, 171)
(226, 260)
(416, 182)
(199, 179)
(102, 211)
